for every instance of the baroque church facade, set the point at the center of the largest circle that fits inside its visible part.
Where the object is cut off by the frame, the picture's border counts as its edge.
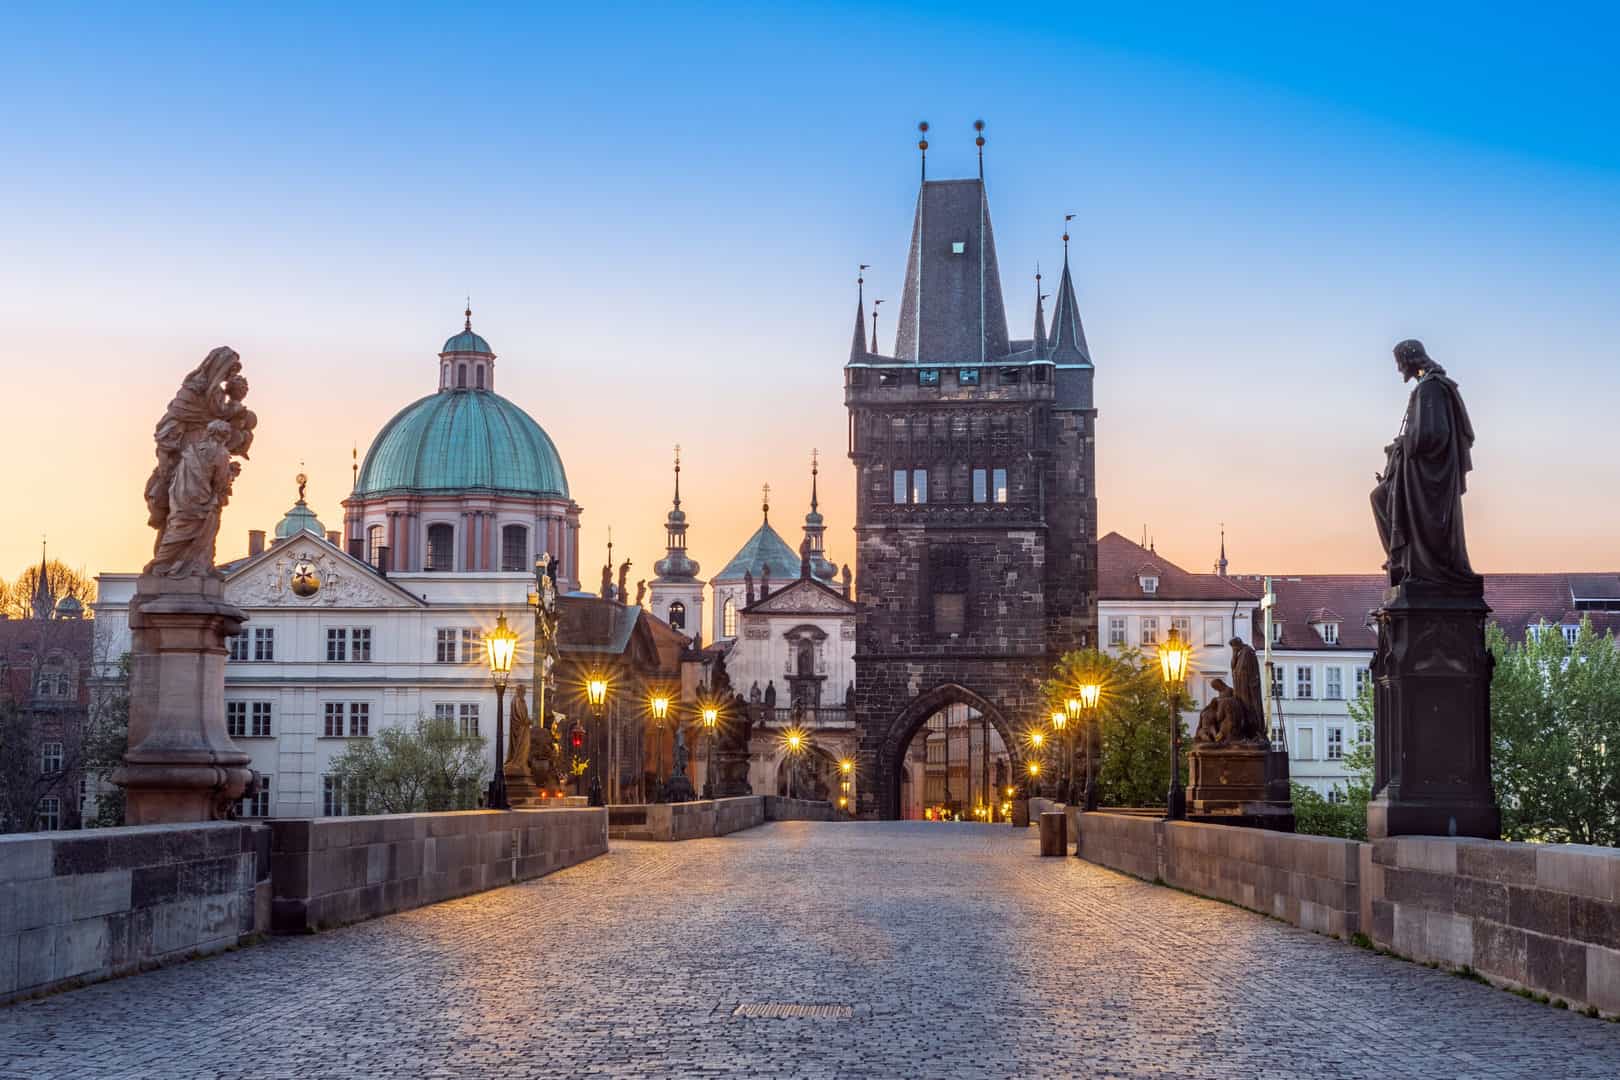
(976, 506)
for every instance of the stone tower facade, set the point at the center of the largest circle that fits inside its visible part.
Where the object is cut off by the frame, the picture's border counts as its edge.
(976, 508)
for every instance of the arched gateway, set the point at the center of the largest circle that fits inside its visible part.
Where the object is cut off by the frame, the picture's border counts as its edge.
(891, 752)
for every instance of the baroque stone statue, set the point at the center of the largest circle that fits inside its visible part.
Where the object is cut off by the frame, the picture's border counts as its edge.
(624, 582)
(204, 426)
(1418, 501)
(1246, 687)
(518, 732)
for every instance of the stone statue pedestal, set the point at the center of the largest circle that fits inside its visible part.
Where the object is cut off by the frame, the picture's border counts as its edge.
(521, 790)
(1432, 716)
(678, 788)
(181, 764)
(1236, 784)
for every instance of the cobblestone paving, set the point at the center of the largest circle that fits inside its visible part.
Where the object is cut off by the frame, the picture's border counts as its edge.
(959, 952)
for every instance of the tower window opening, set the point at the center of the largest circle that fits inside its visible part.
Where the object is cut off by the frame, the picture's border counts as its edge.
(514, 546)
(441, 548)
(374, 544)
(677, 615)
(479, 371)
(461, 376)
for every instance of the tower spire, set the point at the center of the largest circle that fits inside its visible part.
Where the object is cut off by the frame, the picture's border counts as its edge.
(857, 341)
(44, 601)
(1040, 316)
(1068, 341)
(815, 471)
(677, 476)
(1220, 565)
(978, 140)
(468, 324)
(875, 348)
(813, 556)
(922, 145)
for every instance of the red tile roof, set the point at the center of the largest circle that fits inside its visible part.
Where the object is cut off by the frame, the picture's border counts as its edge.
(1121, 563)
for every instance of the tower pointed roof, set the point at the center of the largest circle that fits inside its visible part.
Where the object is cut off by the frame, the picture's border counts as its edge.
(951, 309)
(857, 343)
(1068, 341)
(676, 565)
(1040, 318)
(44, 602)
(815, 528)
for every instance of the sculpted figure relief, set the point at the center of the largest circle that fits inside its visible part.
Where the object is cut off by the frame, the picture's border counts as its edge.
(204, 426)
(1418, 501)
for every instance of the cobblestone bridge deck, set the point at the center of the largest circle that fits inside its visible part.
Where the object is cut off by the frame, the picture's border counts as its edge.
(958, 952)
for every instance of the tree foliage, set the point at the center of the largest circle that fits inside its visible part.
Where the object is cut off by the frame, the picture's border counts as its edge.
(1555, 713)
(431, 766)
(17, 595)
(1346, 818)
(1133, 715)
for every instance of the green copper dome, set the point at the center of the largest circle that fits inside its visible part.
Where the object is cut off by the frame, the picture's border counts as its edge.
(459, 441)
(297, 520)
(467, 341)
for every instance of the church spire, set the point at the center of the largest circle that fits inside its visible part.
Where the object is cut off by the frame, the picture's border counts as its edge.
(1220, 564)
(1040, 316)
(857, 343)
(675, 565)
(1068, 341)
(44, 602)
(814, 548)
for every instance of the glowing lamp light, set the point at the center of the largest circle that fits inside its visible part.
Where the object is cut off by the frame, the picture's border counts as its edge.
(846, 766)
(1060, 719)
(660, 708)
(1089, 693)
(1034, 768)
(576, 737)
(1036, 739)
(596, 692)
(1173, 658)
(501, 646)
(711, 717)
(842, 802)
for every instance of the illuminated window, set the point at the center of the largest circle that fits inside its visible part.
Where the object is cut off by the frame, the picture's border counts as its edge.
(728, 620)
(998, 484)
(677, 615)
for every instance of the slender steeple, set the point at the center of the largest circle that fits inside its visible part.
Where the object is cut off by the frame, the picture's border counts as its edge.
(857, 343)
(1220, 564)
(44, 602)
(815, 528)
(675, 565)
(1068, 341)
(1040, 316)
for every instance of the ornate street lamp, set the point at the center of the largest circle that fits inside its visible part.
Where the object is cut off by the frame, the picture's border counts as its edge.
(795, 742)
(659, 707)
(711, 720)
(596, 692)
(1173, 665)
(1060, 724)
(1085, 704)
(846, 775)
(501, 645)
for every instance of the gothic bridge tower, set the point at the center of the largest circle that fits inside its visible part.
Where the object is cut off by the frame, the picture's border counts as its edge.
(976, 510)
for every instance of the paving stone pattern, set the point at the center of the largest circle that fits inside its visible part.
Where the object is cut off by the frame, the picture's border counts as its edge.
(959, 951)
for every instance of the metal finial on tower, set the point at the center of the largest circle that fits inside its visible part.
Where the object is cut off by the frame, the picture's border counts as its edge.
(1066, 219)
(468, 324)
(610, 545)
(765, 495)
(978, 126)
(354, 463)
(860, 283)
(922, 144)
(875, 304)
(677, 476)
(815, 471)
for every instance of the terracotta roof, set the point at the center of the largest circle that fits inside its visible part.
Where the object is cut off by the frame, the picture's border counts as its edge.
(1121, 563)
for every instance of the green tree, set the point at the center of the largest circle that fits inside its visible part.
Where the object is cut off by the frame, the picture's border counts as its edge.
(1555, 713)
(431, 766)
(1348, 817)
(17, 597)
(1133, 716)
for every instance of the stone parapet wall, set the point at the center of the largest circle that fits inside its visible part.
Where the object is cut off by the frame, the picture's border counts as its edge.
(331, 871)
(83, 906)
(778, 808)
(711, 817)
(1309, 881)
(1542, 917)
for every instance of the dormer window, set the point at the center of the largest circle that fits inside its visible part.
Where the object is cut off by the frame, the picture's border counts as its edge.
(1276, 632)
(1329, 632)
(1150, 583)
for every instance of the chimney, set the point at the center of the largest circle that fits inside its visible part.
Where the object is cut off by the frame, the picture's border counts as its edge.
(334, 538)
(255, 541)
(357, 548)
(382, 559)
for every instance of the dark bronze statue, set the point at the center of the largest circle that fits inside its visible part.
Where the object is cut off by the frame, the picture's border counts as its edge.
(1418, 501)
(624, 583)
(1222, 721)
(1246, 687)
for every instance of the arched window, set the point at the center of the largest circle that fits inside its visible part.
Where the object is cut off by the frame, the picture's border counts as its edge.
(374, 544)
(461, 376)
(728, 618)
(677, 615)
(441, 547)
(480, 373)
(514, 542)
(54, 681)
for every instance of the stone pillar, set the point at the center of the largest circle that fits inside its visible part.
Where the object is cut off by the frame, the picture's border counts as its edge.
(181, 764)
(1432, 716)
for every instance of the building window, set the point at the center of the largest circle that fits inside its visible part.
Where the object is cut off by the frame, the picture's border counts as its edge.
(360, 644)
(514, 548)
(1181, 626)
(1010, 376)
(1335, 794)
(1149, 583)
(467, 715)
(928, 377)
(948, 582)
(1363, 680)
(236, 647)
(261, 713)
(359, 720)
(677, 615)
(901, 479)
(444, 712)
(1276, 631)
(479, 372)
(257, 804)
(1116, 630)
(374, 544)
(236, 719)
(981, 486)
(472, 646)
(1276, 680)
(728, 618)
(1330, 632)
(334, 719)
(444, 645)
(1335, 743)
(1333, 683)
(968, 376)
(332, 796)
(461, 376)
(238, 713)
(50, 757)
(1571, 633)
(49, 815)
(1305, 744)
(441, 548)
(1150, 630)
(1214, 630)
(337, 644)
(264, 643)
(1302, 682)
(919, 486)
(998, 484)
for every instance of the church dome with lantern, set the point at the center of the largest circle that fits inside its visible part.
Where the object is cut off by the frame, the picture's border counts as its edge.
(463, 479)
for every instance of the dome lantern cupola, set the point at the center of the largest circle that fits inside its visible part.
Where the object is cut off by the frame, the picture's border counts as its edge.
(466, 362)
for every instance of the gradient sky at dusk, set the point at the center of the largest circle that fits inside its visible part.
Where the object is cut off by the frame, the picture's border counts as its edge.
(658, 216)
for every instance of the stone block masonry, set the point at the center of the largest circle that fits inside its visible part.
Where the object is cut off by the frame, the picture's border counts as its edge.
(84, 906)
(710, 817)
(331, 871)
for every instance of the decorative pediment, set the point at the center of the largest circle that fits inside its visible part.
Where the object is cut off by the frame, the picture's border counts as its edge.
(803, 598)
(306, 572)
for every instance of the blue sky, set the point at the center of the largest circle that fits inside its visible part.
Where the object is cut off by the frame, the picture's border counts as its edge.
(658, 212)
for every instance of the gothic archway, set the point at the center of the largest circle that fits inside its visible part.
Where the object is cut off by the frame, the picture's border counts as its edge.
(891, 765)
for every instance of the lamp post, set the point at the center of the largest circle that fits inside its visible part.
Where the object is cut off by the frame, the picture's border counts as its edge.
(795, 742)
(501, 645)
(596, 691)
(1060, 724)
(1037, 743)
(711, 720)
(1173, 665)
(846, 773)
(659, 706)
(1086, 705)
